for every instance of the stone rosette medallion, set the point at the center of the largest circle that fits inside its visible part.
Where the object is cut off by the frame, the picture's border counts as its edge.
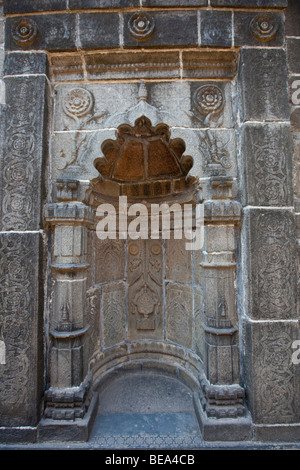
(264, 27)
(24, 32)
(141, 26)
(78, 102)
(208, 100)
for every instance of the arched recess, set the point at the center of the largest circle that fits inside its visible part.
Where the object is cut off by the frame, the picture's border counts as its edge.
(154, 299)
(145, 276)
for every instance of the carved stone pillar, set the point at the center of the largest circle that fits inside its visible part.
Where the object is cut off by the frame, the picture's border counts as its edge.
(269, 317)
(221, 407)
(23, 163)
(68, 399)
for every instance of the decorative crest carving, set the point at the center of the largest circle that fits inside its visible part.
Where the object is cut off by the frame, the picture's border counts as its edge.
(143, 161)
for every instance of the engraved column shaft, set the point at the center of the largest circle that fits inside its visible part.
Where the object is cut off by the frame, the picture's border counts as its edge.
(218, 273)
(68, 316)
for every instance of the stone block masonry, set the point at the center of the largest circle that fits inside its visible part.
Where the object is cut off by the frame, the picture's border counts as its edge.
(161, 101)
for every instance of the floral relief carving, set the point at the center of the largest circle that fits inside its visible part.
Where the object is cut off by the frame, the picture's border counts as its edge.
(79, 106)
(208, 102)
(16, 315)
(270, 169)
(274, 376)
(217, 159)
(19, 166)
(274, 264)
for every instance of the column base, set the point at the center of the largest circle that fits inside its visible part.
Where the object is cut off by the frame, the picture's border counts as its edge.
(222, 429)
(65, 430)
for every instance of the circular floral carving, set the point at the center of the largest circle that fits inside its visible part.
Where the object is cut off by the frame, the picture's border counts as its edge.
(264, 27)
(24, 32)
(78, 102)
(134, 249)
(18, 172)
(156, 249)
(21, 144)
(141, 26)
(272, 189)
(209, 99)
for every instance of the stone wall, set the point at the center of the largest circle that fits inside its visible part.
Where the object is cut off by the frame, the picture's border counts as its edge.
(217, 79)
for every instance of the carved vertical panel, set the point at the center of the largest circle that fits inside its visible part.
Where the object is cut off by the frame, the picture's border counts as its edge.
(179, 314)
(271, 374)
(268, 165)
(145, 306)
(20, 328)
(178, 261)
(93, 319)
(273, 290)
(23, 161)
(113, 314)
(109, 260)
(199, 320)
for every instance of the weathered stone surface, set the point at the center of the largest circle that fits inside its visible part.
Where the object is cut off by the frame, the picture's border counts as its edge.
(179, 321)
(270, 269)
(267, 153)
(93, 320)
(128, 65)
(173, 29)
(97, 105)
(271, 382)
(292, 27)
(17, 63)
(73, 153)
(258, 28)
(99, 4)
(209, 64)
(263, 78)
(99, 30)
(215, 150)
(113, 313)
(178, 261)
(250, 3)
(50, 32)
(15, 6)
(25, 127)
(21, 328)
(109, 260)
(174, 3)
(66, 67)
(199, 320)
(293, 50)
(295, 119)
(216, 28)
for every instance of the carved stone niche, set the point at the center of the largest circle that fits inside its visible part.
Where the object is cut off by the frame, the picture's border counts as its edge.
(144, 165)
